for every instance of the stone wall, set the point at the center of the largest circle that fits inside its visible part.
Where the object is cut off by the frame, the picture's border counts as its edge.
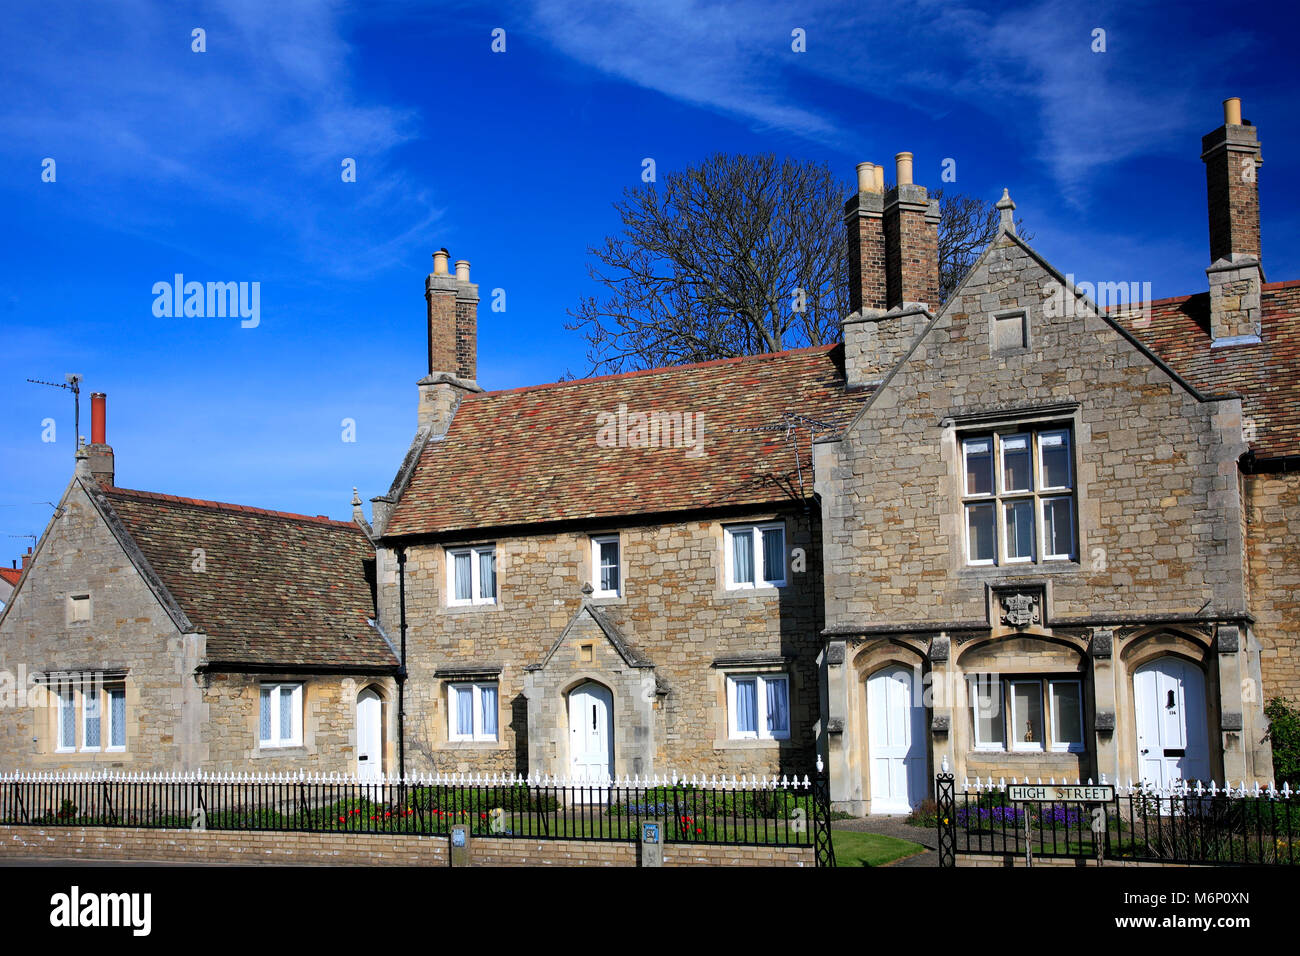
(1273, 535)
(1158, 529)
(230, 735)
(113, 844)
(675, 613)
(128, 632)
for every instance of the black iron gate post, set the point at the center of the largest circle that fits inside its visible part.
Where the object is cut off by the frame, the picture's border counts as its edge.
(946, 818)
(821, 814)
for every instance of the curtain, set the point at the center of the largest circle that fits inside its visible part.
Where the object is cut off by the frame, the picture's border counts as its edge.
(746, 706)
(264, 719)
(117, 717)
(463, 585)
(488, 703)
(778, 707)
(774, 555)
(742, 550)
(465, 711)
(91, 704)
(487, 574)
(286, 713)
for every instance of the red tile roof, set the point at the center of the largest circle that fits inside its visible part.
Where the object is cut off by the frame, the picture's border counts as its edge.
(276, 588)
(1267, 375)
(11, 575)
(532, 455)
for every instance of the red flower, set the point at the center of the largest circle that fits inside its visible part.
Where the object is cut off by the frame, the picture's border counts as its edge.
(698, 830)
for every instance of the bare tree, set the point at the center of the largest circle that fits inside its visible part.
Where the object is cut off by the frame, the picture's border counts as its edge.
(736, 256)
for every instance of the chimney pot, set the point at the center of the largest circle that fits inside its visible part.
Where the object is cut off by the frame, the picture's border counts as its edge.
(97, 415)
(880, 178)
(903, 166)
(440, 262)
(462, 270)
(1232, 111)
(866, 177)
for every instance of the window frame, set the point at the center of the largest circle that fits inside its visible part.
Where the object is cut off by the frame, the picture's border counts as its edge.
(475, 552)
(476, 734)
(66, 697)
(1006, 696)
(1005, 502)
(761, 718)
(91, 692)
(77, 601)
(597, 565)
(1069, 746)
(278, 740)
(755, 530)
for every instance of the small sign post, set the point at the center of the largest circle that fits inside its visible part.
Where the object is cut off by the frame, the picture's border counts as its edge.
(652, 846)
(459, 840)
(1062, 793)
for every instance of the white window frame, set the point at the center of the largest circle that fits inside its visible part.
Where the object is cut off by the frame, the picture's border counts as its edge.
(755, 531)
(476, 580)
(597, 566)
(1034, 746)
(65, 694)
(1038, 495)
(996, 686)
(278, 739)
(476, 705)
(761, 680)
(1069, 746)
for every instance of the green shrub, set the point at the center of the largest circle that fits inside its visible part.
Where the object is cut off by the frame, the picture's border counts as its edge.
(1284, 733)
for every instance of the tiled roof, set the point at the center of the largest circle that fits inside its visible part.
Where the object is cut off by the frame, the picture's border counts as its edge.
(11, 574)
(276, 588)
(1267, 375)
(536, 454)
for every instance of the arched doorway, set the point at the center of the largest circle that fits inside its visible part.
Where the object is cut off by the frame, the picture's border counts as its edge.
(1169, 706)
(897, 740)
(370, 735)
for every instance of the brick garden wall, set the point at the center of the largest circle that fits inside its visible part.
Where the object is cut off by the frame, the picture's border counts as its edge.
(355, 849)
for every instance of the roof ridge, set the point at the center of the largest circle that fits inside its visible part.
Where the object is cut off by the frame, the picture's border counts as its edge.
(1265, 287)
(226, 506)
(664, 369)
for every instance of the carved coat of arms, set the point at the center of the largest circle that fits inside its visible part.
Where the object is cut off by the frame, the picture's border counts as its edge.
(1020, 610)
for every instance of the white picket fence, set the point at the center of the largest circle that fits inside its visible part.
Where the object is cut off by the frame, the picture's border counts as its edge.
(713, 782)
(1177, 788)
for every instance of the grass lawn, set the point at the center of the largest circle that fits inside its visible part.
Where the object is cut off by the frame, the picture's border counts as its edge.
(854, 848)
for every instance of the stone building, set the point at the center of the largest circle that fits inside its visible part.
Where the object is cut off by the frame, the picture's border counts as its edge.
(611, 575)
(1059, 539)
(157, 633)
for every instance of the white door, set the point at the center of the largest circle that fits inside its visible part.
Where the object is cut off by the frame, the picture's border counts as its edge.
(591, 733)
(1169, 696)
(370, 760)
(897, 741)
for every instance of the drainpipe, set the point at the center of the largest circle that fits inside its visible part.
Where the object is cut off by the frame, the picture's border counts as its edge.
(401, 670)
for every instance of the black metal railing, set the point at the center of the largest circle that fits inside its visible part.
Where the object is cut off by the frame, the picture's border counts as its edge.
(1183, 824)
(751, 811)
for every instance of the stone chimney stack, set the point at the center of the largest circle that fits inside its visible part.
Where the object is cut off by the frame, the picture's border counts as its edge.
(1232, 159)
(893, 270)
(452, 310)
(99, 452)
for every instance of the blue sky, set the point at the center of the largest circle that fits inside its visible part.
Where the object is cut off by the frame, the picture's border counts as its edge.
(225, 166)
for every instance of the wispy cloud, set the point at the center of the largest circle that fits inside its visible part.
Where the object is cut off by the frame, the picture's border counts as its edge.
(256, 126)
(1074, 109)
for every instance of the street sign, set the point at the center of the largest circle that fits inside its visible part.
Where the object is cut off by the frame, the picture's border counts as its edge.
(1074, 793)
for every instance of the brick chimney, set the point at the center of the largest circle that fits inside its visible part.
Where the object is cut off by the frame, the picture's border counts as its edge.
(452, 310)
(1232, 159)
(893, 270)
(100, 453)
(27, 557)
